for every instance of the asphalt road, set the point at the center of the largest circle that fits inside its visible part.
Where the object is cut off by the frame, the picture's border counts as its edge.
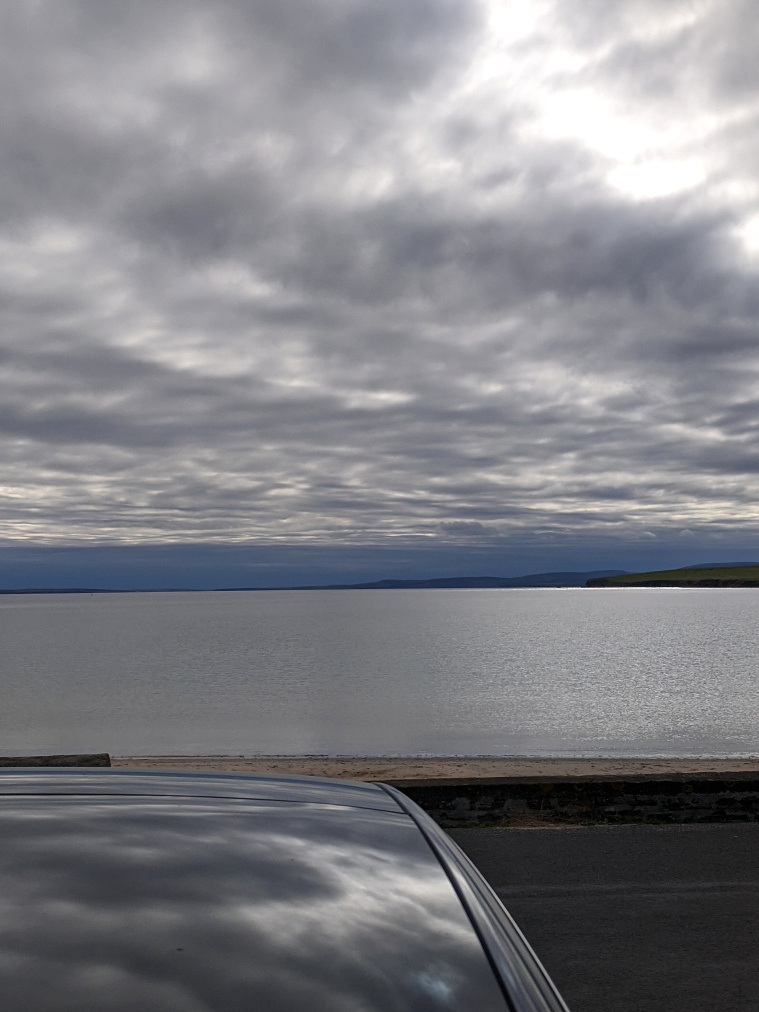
(644, 918)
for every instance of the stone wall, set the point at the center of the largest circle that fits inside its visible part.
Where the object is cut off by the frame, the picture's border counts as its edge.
(653, 799)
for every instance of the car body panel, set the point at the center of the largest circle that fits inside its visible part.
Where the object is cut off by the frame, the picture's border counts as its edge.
(183, 892)
(183, 902)
(264, 787)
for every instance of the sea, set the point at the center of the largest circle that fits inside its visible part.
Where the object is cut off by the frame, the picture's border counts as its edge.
(518, 672)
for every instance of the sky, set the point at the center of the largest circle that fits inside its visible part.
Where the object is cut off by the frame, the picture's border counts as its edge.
(318, 289)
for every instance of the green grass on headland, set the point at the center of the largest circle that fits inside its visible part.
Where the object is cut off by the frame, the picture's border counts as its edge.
(718, 576)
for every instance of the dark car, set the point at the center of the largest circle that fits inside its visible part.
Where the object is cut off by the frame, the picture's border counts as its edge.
(187, 893)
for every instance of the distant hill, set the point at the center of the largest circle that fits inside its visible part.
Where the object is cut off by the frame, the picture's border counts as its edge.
(562, 579)
(693, 576)
(720, 565)
(464, 582)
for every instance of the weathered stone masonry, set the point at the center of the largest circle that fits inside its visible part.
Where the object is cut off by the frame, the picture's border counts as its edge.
(673, 799)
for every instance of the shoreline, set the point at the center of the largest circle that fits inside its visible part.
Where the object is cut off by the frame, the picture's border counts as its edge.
(443, 768)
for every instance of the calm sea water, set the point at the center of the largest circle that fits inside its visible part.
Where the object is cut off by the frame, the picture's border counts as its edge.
(459, 672)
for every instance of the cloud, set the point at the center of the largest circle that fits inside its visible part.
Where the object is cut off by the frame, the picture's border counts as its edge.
(336, 273)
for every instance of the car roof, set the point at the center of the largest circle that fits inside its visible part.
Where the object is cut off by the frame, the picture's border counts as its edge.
(262, 787)
(189, 892)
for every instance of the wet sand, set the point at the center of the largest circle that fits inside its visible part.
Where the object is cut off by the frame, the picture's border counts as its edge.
(443, 769)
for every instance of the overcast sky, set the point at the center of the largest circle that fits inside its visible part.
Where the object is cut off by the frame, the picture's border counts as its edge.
(438, 273)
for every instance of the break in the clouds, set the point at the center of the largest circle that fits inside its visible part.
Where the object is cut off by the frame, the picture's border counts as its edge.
(360, 270)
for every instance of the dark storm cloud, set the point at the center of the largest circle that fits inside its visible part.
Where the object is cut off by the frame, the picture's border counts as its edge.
(349, 272)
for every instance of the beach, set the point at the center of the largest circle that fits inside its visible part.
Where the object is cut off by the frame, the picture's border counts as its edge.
(444, 769)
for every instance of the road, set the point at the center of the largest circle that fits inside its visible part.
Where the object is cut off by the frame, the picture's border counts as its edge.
(644, 918)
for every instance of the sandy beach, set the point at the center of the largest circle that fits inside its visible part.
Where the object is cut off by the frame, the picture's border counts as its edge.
(398, 769)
